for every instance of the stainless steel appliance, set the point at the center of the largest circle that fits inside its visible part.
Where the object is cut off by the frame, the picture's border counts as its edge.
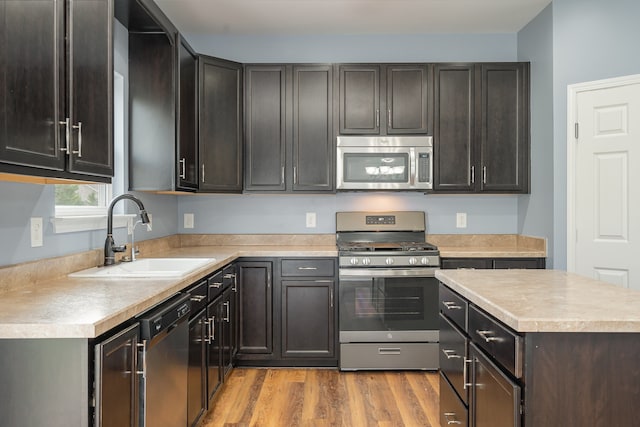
(384, 163)
(388, 293)
(164, 356)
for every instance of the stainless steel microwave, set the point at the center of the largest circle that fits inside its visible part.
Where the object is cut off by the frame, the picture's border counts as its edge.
(384, 163)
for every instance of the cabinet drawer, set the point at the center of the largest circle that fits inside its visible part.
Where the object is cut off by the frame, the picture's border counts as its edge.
(455, 263)
(308, 267)
(215, 285)
(452, 410)
(531, 263)
(199, 296)
(355, 356)
(501, 343)
(453, 354)
(453, 306)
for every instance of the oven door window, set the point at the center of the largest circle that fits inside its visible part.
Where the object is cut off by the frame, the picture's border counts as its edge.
(376, 167)
(389, 304)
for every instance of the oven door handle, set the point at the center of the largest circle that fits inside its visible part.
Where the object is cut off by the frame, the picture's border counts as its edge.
(371, 273)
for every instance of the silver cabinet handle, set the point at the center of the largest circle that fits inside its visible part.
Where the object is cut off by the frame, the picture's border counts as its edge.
(484, 174)
(197, 298)
(389, 351)
(215, 285)
(473, 174)
(295, 174)
(451, 354)
(447, 415)
(143, 347)
(202, 172)
(485, 335)
(377, 118)
(66, 123)
(451, 305)
(307, 268)
(212, 329)
(465, 371)
(282, 177)
(227, 318)
(79, 127)
(183, 168)
(389, 119)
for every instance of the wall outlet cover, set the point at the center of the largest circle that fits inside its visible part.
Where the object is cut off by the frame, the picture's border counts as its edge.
(311, 220)
(189, 220)
(36, 232)
(461, 220)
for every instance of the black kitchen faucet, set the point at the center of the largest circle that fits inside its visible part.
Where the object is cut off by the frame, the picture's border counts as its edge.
(110, 247)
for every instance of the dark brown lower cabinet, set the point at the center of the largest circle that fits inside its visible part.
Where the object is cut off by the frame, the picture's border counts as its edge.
(196, 380)
(490, 263)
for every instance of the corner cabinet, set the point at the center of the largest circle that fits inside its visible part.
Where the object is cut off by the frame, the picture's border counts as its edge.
(220, 123)
(481, 129)
(392, 99)
(56, 73)
(289, 132)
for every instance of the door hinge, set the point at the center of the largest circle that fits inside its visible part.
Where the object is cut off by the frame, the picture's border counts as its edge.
(576, 130)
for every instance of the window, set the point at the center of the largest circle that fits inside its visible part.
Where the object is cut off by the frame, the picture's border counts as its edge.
(82, 199)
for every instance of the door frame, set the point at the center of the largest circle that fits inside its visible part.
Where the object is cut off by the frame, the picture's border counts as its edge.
(572, 110)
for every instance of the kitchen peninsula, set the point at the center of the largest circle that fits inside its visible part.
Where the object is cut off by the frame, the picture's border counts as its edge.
(563, 348)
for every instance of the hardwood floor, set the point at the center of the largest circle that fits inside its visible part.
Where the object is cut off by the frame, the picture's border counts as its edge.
(325, 397)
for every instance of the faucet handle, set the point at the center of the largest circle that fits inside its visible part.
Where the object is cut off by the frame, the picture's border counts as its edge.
(122, 248)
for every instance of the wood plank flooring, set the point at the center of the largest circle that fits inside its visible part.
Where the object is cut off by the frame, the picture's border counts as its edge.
(326, 397)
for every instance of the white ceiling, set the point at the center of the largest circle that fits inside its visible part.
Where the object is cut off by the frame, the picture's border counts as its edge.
(290, 17)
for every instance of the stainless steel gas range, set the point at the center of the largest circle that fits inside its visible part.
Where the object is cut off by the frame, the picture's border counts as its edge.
(388, 293)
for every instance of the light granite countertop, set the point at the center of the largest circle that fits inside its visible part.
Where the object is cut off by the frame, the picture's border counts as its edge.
(69, 307)
(548, 300)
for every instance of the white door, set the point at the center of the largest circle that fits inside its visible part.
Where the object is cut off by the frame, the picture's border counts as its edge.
(606, 182)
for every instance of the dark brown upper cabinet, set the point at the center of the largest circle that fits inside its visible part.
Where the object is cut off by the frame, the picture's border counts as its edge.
(481, 129)
(220, 125)
(385, 99)
(163, 132)
(289, 132)
(56, 73)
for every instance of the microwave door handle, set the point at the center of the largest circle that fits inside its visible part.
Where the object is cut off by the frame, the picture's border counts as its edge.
(412, 167)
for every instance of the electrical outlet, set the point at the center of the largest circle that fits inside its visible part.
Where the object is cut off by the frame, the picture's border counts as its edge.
(311, 220)
(461, 220)
(189, 221)
(36, 232)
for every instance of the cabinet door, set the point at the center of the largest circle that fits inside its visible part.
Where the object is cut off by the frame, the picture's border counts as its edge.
(213, 350)
(408, 99)
(504, 127)
(453, 263)
(116, 380)
(265, 133)
(197, 374)
(454, 128)
(32, 40)
(186, 117)
(226, 316)
(313, 135)
(255, 308)
(495, 398)
(90, 86)
(308, 318)
(220, 125)
(359, 107)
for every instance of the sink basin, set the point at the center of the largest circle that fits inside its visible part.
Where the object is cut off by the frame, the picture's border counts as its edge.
(147, 267)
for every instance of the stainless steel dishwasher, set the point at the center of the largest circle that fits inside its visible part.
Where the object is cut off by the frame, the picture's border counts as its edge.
(164, 360)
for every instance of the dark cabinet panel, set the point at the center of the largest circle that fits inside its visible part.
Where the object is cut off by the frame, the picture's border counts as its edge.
(504, 127)
(197, 373)
(409, 99)
(454, 127)
(308, 318)
(265, 123)
(484, 263)
(359, 99)
(213, 351)
(255, 307)
(519, 263)
(453, 263)
(220, 125)
(187, 116)
(56, 70)
(452, 410)
(313, 143)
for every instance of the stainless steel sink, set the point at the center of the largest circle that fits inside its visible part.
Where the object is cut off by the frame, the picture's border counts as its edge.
(147, 267)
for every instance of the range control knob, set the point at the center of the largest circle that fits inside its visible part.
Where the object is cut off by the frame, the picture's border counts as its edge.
(413, 260)
(424, 260)
(354, 261)
(366, 261)
(389, 261)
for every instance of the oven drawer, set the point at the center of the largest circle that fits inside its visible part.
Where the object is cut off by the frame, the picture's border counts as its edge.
(452, 410)
(389, 356)
(308, 267)
(453, 356)
(453, 306)
(502, 344)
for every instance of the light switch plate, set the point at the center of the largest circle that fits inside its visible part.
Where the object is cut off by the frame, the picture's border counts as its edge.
(189, 220)
(36, 232)
(311, 220)
(461, 220)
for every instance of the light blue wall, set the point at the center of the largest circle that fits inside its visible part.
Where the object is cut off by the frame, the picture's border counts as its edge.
(286, 214)
(535, 213)
(592, 40)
